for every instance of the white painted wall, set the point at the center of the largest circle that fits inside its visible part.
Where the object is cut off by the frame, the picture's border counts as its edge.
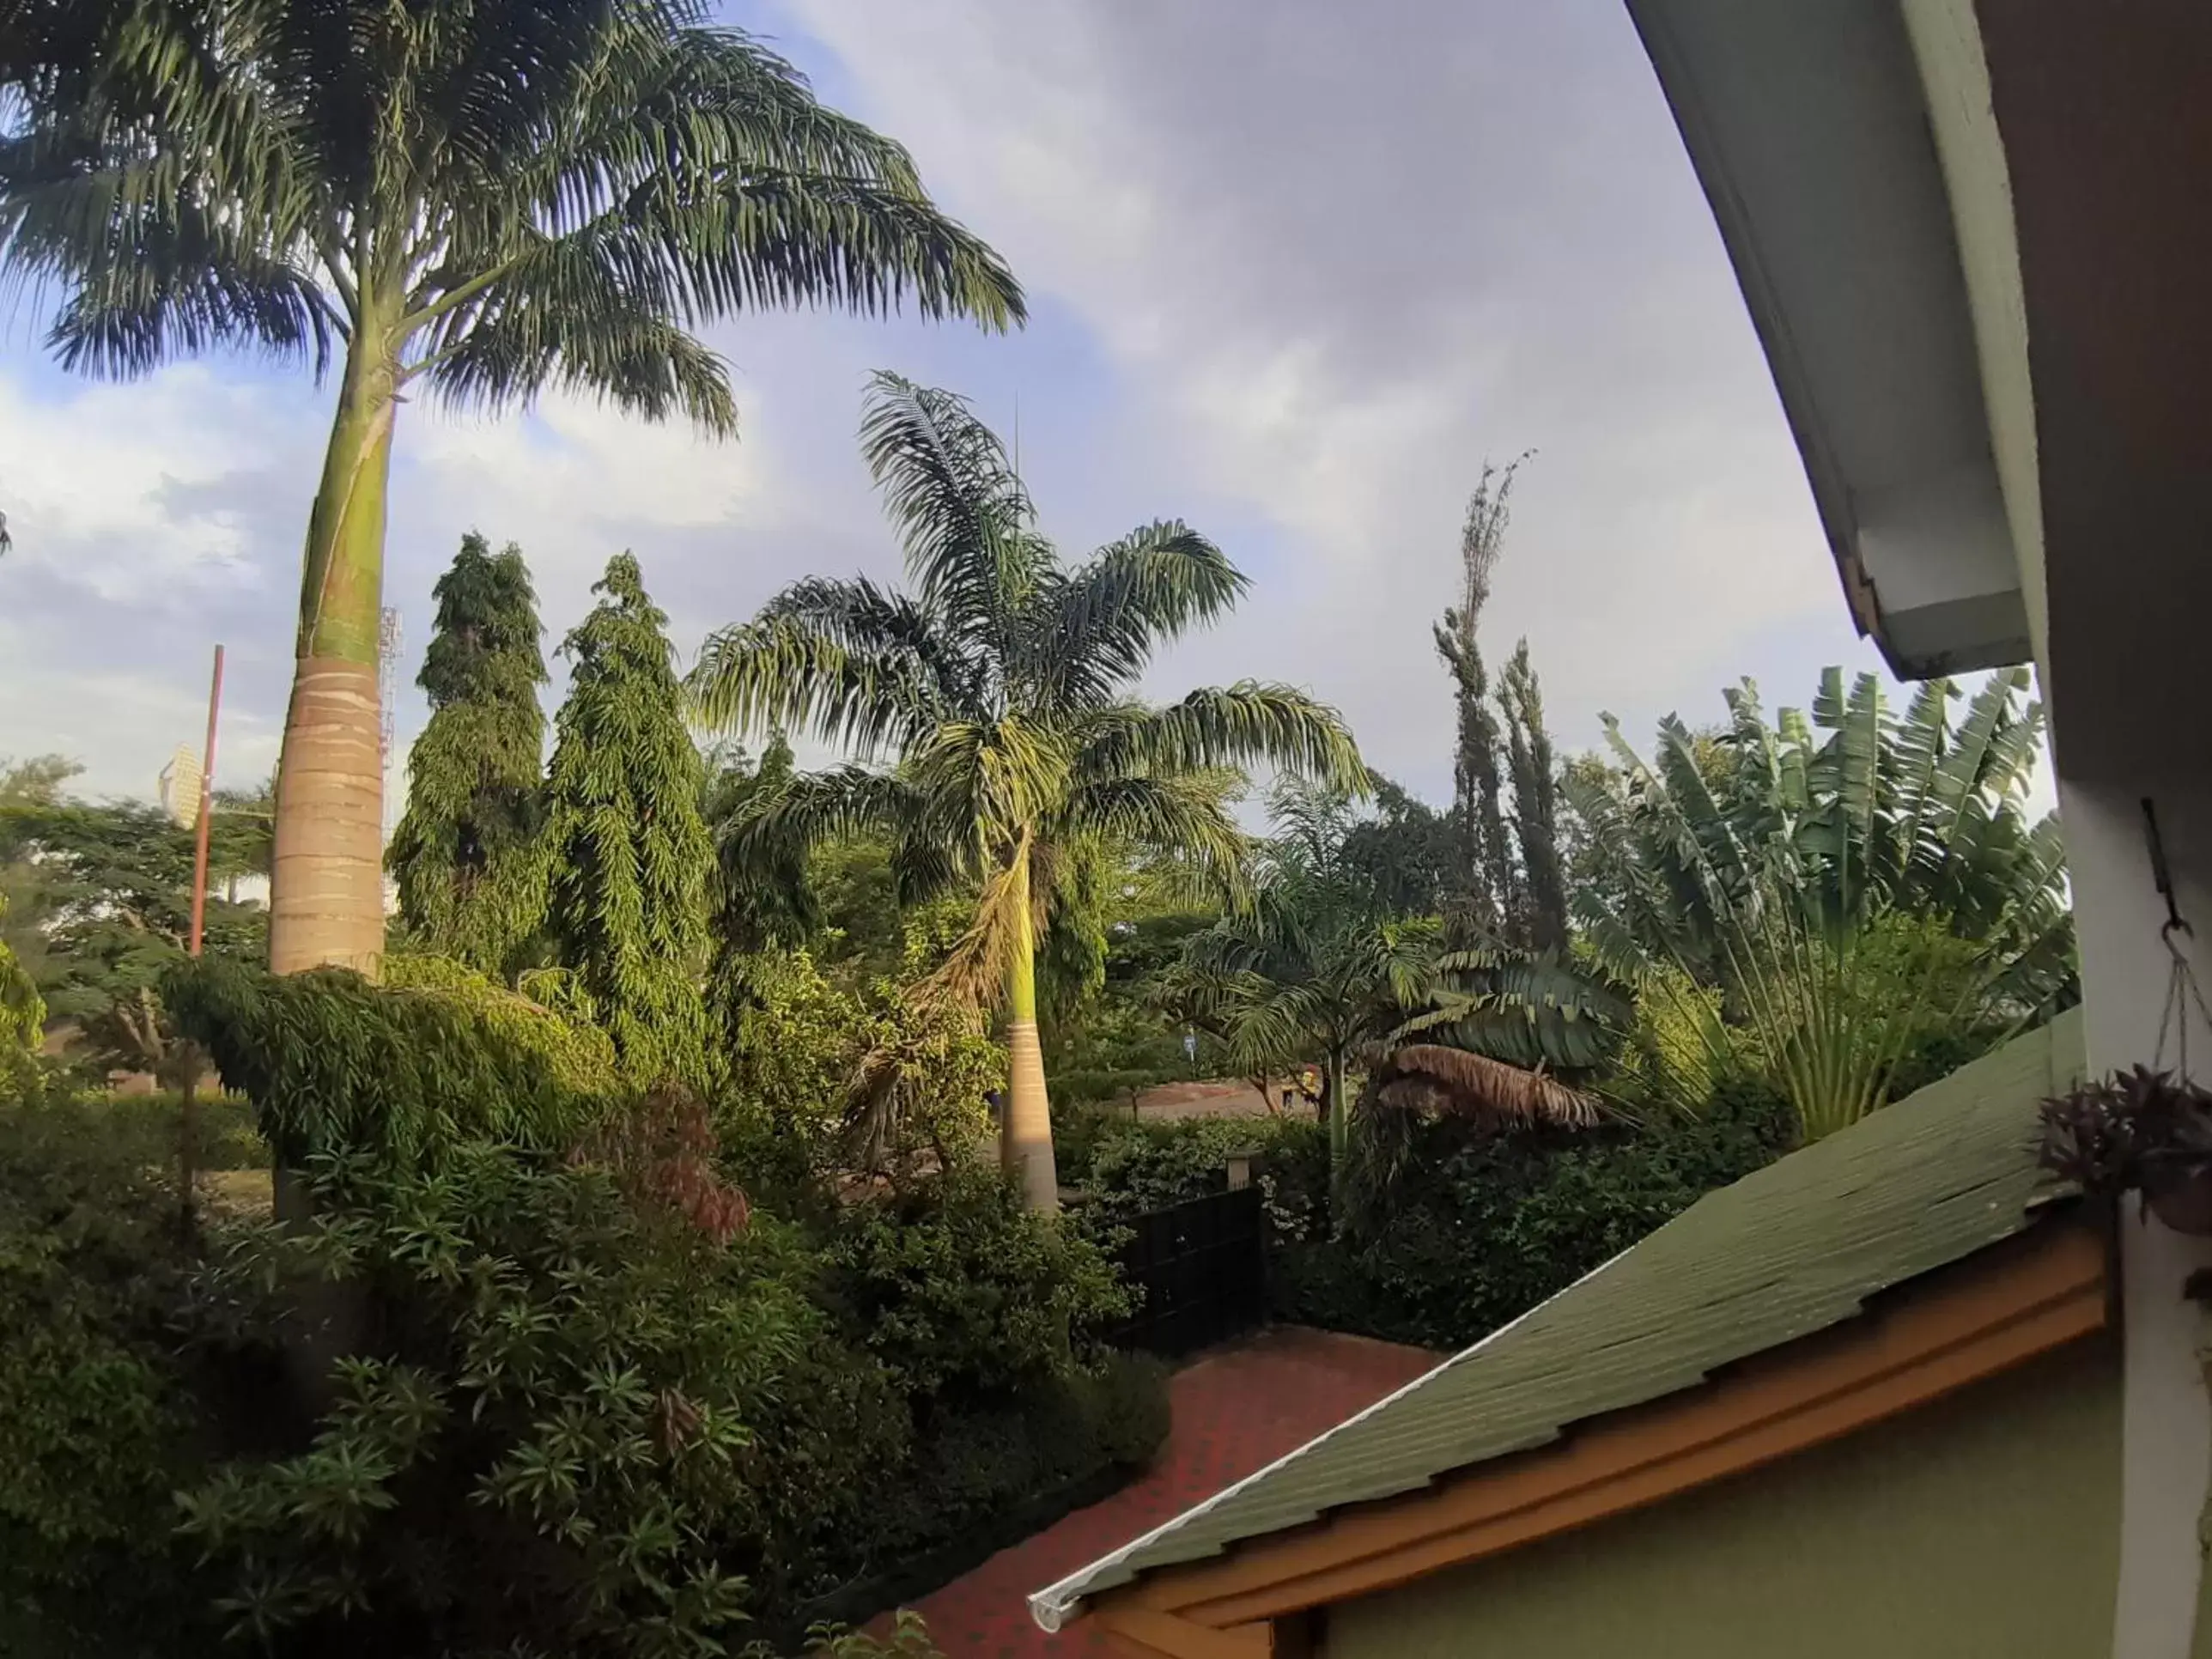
(2166, 1416)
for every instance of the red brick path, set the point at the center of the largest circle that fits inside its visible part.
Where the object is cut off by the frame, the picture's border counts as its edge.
(1236, 1410)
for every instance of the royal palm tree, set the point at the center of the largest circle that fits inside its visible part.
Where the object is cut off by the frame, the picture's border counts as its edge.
(469, 201)
(1000, 693)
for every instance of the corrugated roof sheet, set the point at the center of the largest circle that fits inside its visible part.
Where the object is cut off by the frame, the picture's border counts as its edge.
(1786, 1252)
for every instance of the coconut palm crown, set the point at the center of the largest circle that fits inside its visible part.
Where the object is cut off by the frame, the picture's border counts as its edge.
(991, 717)
(464, 202)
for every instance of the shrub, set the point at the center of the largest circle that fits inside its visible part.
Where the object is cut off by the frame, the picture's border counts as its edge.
(337, 1067)
(1130, 1168)
(542, 1436)
(818, 1075)
(963, 1295)
(986, 1319)
(97, 1421)
(1488, 1224)
(580, 1054)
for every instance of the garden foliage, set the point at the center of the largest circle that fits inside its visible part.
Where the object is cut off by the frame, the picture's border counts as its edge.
(466, 854)
(578, 1393)
(627, 845)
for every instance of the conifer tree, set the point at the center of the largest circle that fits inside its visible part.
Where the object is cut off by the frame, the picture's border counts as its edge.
(467, 855)
(1535, 804)
(627, 847)
(1487, 894)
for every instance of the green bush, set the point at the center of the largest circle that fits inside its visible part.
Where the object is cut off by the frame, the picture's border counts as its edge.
(1484, 1225)
(964, 1296)
(148, 1126)
(987, 1320)
(535, 1378)
(97, 1419)
(1129, 1168)
(336, 1066)
(546, 1434)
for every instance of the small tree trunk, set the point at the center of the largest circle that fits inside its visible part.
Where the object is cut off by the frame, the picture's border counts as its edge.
(1025, 1141)
(326, 879)
(1332, 1109)
(188, 1134)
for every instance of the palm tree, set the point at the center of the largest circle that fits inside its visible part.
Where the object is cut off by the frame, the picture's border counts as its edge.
(470, 200)
(1852, 896)
(999, 690)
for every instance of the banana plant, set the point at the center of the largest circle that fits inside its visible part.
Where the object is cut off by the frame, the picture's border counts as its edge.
(1850, 884)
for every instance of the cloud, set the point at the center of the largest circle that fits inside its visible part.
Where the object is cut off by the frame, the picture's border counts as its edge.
(1340, 254)
(1296, 270)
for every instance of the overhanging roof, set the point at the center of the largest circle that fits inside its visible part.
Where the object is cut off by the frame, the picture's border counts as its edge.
(1790, 1251)
(1808, 126)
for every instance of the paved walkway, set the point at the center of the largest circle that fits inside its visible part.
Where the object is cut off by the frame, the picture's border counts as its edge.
(1236, 1410)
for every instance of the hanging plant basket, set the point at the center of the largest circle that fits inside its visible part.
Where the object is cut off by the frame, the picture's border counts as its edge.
(2137, 1130)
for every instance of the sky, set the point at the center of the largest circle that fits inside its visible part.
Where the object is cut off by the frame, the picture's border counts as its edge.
(1296, 270)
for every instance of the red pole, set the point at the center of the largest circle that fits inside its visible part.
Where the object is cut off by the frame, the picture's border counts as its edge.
(207, 810)
(188, 1127)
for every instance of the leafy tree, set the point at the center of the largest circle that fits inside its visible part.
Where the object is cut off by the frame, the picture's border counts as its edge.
(110, 891)
(467, 855)
(755, 908)
(1409, 850)
(1853, 896)
(22, 1013)
(627, 847)
(35, 781)
(1535, 804)
(468, 203)
(999, 690)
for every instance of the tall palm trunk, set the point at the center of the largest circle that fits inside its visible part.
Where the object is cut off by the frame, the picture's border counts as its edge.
(326, 880)
(1025, 1139)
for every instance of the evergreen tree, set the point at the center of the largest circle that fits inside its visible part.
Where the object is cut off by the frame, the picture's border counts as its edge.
(1488, 887)
(763, 897)
(1535, 805)
(627, 846)
(466, 855)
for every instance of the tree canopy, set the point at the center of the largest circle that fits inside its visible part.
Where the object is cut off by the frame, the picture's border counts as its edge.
(105, 893)
(466, 854)
(628, 848)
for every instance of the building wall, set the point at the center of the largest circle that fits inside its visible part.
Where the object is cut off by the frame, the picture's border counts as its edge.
(1985, 1527)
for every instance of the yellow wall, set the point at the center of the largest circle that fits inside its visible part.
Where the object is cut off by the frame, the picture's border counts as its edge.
(1985, 1527)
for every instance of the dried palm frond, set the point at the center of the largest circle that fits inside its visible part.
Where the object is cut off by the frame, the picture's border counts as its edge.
(1418, 1074)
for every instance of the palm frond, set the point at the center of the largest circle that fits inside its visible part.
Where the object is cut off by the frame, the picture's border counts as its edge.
(1182, 822)
(1246, 724)
(513, 195)
(962, 514)
(1099, 626)
(973, 975)
(1473, 1085)
(811, 808)
(781, 671)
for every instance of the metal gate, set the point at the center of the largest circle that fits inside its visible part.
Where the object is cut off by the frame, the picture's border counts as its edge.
(1200, 1272)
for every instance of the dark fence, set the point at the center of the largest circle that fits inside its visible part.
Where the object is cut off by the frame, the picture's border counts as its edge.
(1200, 1272)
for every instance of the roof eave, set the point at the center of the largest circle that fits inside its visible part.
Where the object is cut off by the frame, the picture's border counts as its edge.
(1808, 128)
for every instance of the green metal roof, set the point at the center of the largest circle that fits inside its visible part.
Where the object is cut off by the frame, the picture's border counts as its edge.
(1783, 1253)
